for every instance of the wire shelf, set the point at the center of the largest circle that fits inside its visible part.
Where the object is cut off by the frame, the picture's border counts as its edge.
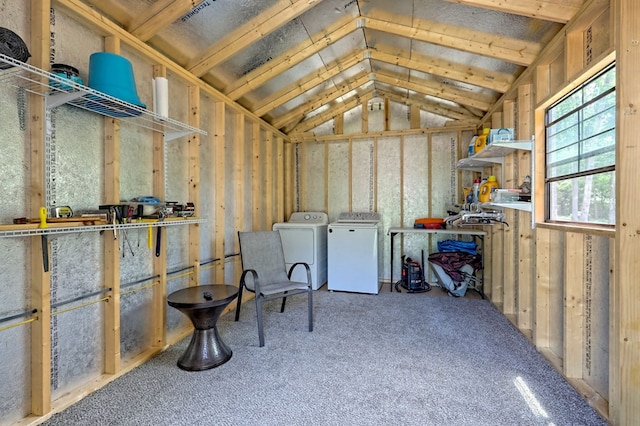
(29, 231)
(59, 91)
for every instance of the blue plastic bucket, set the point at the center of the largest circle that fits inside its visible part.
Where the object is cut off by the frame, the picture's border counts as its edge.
(113, 75)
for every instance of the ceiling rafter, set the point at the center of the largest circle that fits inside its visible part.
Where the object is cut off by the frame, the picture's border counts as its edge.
(118, 13)
(475, 76)
(305, 50)
(353, 72)
(290, 58)
(322, 99)
(158, 16)
(430, 88)
(428, 106)
(486, 44)
(268, 21)
(496, 81)
(423, 87)
(335, 109)
(298, 87)
(549, 10)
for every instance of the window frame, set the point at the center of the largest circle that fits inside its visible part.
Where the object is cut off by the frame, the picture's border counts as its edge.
(547, 123)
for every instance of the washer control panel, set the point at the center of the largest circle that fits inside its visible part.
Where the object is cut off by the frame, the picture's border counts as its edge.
(359, 217)
(309, 217)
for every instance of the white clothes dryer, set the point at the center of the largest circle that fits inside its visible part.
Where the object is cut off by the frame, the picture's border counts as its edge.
(304, 239)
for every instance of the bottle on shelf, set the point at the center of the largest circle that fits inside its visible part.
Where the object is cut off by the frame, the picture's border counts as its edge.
(475, 191)
(481, 141)
(484, 195)
(472, 146)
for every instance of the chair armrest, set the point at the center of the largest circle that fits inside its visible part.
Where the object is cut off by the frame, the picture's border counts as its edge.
(256, 281)
(306, 265)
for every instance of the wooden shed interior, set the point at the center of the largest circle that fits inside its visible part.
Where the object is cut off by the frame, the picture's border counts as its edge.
(277, 106)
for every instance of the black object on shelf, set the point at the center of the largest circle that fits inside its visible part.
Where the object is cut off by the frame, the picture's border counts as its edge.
(13, 46)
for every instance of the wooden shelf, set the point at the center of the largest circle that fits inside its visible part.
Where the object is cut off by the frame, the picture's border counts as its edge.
(60, 91)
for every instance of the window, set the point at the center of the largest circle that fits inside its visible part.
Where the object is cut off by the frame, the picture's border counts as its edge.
(580, 153)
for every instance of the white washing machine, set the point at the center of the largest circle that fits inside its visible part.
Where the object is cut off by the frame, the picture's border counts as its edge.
(304, 239)
(353, 248)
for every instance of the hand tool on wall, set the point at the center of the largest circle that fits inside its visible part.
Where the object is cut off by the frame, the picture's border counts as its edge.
(159, 237)
(45, 244)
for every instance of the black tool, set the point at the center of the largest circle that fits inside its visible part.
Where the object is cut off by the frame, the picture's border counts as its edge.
(45, 244)
(159, 236)
(158, 241)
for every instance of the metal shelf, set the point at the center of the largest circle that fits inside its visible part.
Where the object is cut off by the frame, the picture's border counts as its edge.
(29, 230)
(59, 91)
(493, 153)
(517, 205)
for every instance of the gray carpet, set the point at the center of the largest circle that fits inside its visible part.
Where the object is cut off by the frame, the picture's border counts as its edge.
(401, 359)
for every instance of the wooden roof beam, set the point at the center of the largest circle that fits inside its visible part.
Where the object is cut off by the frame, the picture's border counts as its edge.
(335, 109)
(329, 97)
(425, 105)
(320, 100)
(486, 44)
(290, 58)
(306, 83)
(251, 31)
(115, 11)
(496, 81)
(158, 16)
(431, 88)
(548, 10)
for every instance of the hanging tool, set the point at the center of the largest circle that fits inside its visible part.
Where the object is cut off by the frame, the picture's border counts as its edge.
(125, 237)
(159, 236)
(45, 243)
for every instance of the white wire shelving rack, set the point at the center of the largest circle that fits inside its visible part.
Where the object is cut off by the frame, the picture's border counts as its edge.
(59, 91)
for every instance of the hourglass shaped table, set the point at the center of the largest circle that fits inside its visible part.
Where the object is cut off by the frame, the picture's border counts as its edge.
(203, 305)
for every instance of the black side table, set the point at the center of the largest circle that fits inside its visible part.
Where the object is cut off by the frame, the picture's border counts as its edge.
(203, 305)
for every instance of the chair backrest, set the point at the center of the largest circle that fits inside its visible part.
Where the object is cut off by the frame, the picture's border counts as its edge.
(262, 251)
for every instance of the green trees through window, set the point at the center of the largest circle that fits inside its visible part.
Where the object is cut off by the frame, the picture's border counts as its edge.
(580, 153)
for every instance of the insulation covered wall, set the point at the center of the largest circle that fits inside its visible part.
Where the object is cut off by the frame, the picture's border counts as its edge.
(82, 326)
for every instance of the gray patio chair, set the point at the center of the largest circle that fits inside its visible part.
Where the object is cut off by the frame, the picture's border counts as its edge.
(264, 273)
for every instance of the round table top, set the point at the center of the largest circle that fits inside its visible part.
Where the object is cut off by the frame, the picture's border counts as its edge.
(202, 296)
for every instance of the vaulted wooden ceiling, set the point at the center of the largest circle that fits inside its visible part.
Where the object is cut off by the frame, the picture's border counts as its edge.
(299, 63)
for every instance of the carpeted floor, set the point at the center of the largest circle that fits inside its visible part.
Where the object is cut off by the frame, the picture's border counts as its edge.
(401, 359)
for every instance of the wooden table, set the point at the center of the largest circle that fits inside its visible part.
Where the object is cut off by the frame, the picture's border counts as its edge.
(203, 305)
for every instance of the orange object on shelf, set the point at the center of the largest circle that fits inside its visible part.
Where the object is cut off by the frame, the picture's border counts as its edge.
(429, 223)
(481, 141)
